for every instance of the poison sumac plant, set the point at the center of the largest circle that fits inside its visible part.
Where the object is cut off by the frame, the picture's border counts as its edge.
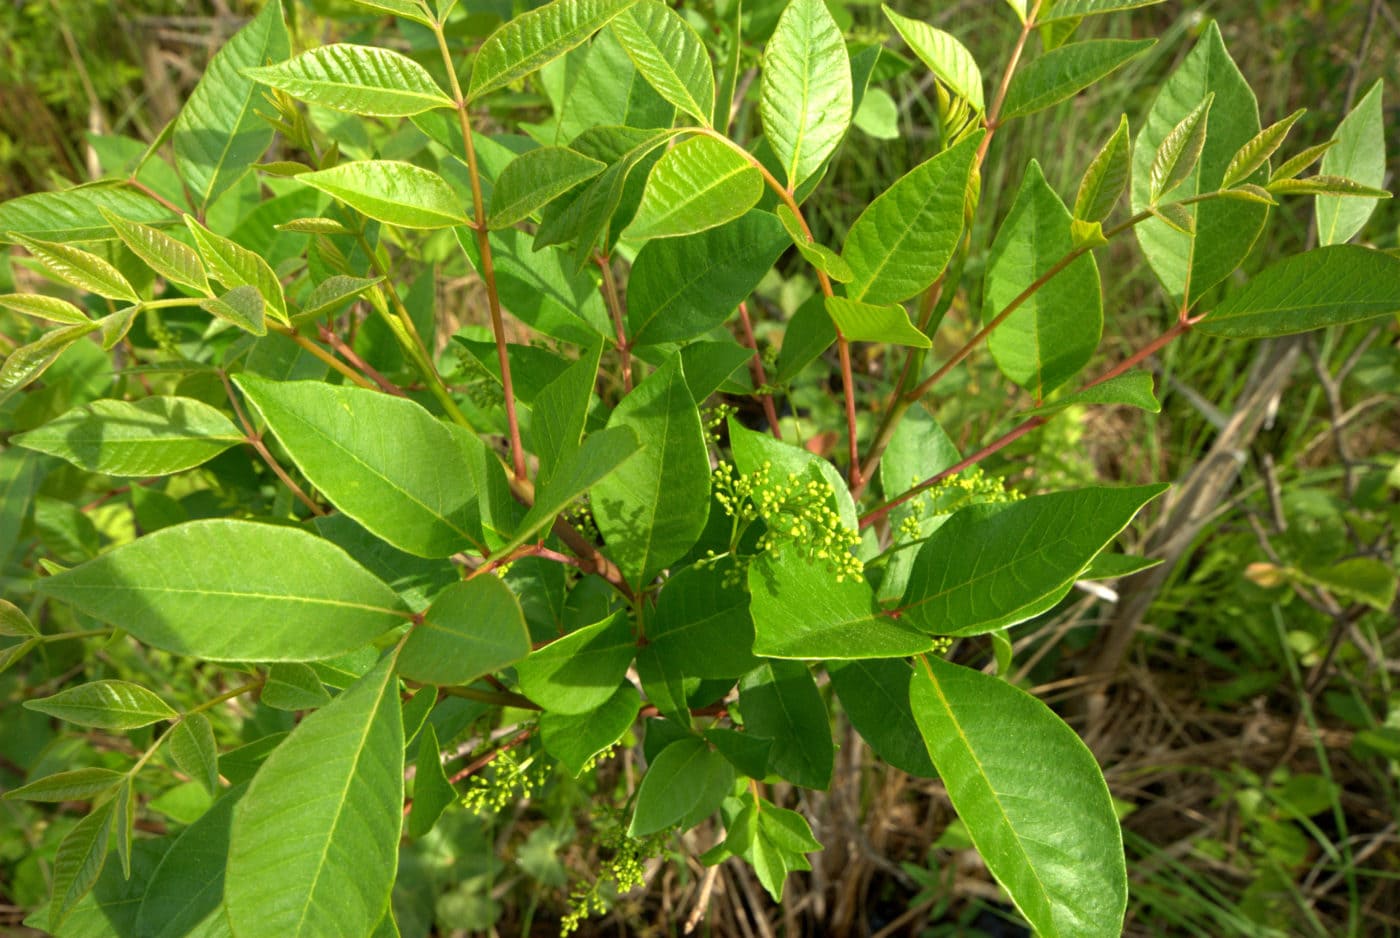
(517, 543)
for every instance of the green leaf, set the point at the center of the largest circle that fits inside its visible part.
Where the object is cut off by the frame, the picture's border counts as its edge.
(1361, 579)
(1053, 333)
(293, 686)
(1300, 161)
(1336, 187)
(1359, 155)
(581, 671)
(746, 753)
(1133, 389)
(107, 705)
(75, 785)
(77, 214)
(774, 840)
(295, 596)
(184, 896)
(219, 134)
(432, 790)
(1108, 566)
(1179, 151)
(700, 184)
(1106, 177)
(79, 268)
(534, 179)
(806, 99)
(1064, 72)
(1016, 792)
(684, 785)
(151, 437)
(670, 55)
(866, 322)
(817, 254)
(802, 609)
(809, 333)
(235, 266)
(391, 191)
(560, 412)
(315, 841)
(14, 623)
(1328, 286)
(413, 488)
(574, 739)
(1255, 154)
(752, 450)
(13, 653)
(471, 629)
(875, 697)
(194, 750)
(79, 861)
(780, 701)
(1074, 9)
(332, 293)
(992, 566)
(358, 79)
(124, 818)
(1225, 229)
(408, 9)
(903, 240)
(242, 307)
(49, 308)
(599, 456)
(702, 621)
(28, 362)
(680, 288)
(162, 253)
(653, 508)
(945, 56)
(532, 39)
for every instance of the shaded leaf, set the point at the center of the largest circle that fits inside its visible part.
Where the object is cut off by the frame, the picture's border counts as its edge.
(471, 629)
(682, 786)
(581, 671)
(79, 861)
(432, 791)
(194, 750)
(534, 179)
(780, 701)
(1133, 389)
(874, 694)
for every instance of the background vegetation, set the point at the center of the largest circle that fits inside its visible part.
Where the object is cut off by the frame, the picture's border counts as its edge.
(1240, 696)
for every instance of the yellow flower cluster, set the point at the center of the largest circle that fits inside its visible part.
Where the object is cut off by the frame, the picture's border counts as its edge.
(510, 780)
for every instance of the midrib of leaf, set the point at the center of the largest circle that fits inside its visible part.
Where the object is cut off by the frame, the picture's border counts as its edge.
(992, 792)
(992, 572)
(885, 261)
(344, 792)
(792, 724)
(186, 591)
(242, 112)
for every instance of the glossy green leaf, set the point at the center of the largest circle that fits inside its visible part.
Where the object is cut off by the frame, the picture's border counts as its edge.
(391, 191)
(163, 254)
(295, 596)
(220, 133)
(472, 628)
(1179, 150)
(28, 362)
(670, 55)
(1074, 9)
(358, 79)
(1328, 286)
(687, 779)
(49, 308)
(780, 701)
(992, 566)
(108, 705)
(531, 39)
(534, 179)
(194, 750)
(806, 99)
(1106, 178)
(150, 437)
(432, 791)
(315, 841)
(803, 609)
(653, 508)
(699, 184)
(866, 322)
(14, 623)
(413, 486)
(574, 739)
(903, 240)
(1054, 333)
(79, 861)
(74, 785)
(293, 686)
(781, 840)
(1225, 229)
(1133, 389)
(183, 897)
(1359, 155)
(235, 266)
(77, 214)
(818, 255)
(581, 671)
(1064, 72)
(945, 56)
(680, 288)
(875, 697)
(702, 621)
(1034, 800)
(79, 268)
(1255, 154)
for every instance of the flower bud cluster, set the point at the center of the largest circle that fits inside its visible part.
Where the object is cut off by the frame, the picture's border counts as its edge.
(510, 780)
(953, 493)
(623, 872)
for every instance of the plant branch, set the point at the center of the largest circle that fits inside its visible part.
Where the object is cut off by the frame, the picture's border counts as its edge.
(760, 374)
(613, 299)
(322, 354)
(329, 336)
(993, 120)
